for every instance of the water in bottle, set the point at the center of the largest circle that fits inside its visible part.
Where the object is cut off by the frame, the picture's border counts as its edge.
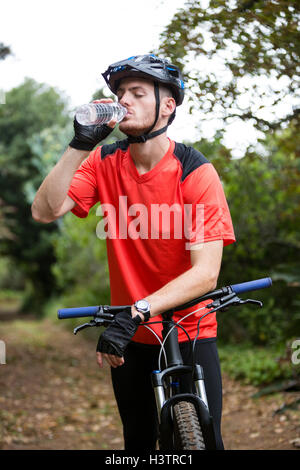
(100, 113)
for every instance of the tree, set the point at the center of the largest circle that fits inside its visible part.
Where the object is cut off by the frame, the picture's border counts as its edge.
(240, 59)
(30, 109)
(4, 52)
(263, 195)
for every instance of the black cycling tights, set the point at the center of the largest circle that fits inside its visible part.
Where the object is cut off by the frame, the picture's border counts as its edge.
(135, 396)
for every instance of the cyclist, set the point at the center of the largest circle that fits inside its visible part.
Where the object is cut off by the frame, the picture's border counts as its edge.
(152, 270)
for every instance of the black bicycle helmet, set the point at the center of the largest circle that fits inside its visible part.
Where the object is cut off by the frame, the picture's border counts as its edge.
(152, 68)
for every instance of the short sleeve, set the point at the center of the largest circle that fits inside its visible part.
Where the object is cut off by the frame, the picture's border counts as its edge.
(83, 189)
(206, 207)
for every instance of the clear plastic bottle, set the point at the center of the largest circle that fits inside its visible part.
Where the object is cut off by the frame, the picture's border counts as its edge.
(100, 113)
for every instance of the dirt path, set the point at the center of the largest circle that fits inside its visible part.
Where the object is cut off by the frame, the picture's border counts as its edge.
(54, 396)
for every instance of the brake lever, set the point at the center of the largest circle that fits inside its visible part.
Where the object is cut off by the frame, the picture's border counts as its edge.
(95, 322)
(251, 301)
(225, 302)
(82, 327)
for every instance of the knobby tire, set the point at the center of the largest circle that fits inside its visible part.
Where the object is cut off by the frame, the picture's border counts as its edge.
(188, 433)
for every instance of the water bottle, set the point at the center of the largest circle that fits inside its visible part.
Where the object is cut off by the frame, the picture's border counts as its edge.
(100, 113)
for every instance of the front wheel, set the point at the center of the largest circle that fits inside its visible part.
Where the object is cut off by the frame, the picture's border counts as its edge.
(187, 434)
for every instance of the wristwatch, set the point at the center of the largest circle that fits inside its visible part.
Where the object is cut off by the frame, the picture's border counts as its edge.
(143, 307)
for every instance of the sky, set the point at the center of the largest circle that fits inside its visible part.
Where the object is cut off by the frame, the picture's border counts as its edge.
(67, 44)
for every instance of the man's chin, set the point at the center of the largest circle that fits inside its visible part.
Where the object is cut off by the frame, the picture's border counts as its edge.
(131, 130)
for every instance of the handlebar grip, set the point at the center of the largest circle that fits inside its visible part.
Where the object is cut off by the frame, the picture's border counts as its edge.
(77, 312)
(252, 285)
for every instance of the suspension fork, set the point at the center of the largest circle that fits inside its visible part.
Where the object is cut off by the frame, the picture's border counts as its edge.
(174, 366)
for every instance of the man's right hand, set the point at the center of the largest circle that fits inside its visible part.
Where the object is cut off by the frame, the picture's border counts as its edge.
(87, 137)
(114, 340)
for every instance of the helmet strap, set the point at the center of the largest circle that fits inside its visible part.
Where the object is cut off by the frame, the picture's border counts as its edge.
(140, 139)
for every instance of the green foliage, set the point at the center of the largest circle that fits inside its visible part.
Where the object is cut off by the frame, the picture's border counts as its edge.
(47, 146)
(81, 270)
(31, 110)
(10, 276)
(264, 200)
(240, 58)
(256, 366)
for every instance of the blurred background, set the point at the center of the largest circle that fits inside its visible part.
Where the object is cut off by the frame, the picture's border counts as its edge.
(240, 60)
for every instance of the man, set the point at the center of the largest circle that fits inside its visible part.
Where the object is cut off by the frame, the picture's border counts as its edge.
(154, 269)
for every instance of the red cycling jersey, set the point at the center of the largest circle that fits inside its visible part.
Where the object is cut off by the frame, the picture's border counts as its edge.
(152, 221)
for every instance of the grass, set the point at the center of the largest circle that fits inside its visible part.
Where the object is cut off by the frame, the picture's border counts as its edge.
(29, 333)
(257, 365)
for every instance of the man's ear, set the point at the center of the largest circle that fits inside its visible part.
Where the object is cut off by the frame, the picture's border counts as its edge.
(168, 106)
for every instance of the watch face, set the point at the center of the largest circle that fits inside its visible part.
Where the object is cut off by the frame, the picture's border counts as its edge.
(142, 304)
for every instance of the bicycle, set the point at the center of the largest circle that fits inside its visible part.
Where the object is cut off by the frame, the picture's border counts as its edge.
(184, 419)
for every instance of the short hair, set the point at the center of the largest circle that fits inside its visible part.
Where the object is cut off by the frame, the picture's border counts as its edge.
(165, 91)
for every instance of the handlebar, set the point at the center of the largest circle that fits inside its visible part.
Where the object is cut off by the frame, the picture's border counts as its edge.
(77, 312)
(107, 312)
(251, 285)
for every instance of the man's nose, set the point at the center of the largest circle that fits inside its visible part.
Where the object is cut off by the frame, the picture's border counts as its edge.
(125, 100)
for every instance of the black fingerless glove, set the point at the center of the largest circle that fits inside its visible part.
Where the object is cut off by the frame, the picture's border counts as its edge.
(119, 333)
(87, 137)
